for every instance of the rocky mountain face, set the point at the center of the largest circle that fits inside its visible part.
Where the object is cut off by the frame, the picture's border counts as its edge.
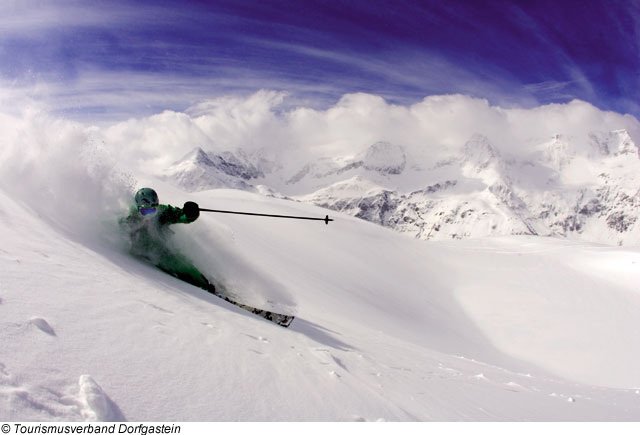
(201, 171)
(561, 187)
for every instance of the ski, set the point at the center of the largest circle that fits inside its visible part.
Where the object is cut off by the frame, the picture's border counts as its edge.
(279, 319)
(283, 320)
(214, 287)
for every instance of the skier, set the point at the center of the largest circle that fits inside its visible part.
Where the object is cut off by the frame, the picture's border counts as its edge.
(148, 227)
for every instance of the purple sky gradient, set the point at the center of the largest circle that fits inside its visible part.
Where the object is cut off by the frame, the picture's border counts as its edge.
(119, 58)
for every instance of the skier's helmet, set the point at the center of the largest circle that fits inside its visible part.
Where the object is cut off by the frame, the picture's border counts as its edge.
(146, 200)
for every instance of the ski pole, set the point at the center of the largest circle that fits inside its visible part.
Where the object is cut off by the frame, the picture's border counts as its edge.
(325, 219)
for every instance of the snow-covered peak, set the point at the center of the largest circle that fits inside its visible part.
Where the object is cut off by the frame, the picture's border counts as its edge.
(227, 163)
(622, 143)
(382, 158)
(479, 153)
(320, 168)
(199, 156)
(195, 157)
(480, 160)
(599, 143)
(357, 186)
(615, 142)
(558, 152)
(385, 157)
(199, 170)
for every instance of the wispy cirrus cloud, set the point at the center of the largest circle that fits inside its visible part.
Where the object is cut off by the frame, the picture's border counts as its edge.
(113, 59)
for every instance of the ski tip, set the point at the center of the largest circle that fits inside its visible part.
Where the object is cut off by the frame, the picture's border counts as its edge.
(286, 321)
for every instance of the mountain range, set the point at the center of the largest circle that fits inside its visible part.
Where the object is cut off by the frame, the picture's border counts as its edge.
(560, 186)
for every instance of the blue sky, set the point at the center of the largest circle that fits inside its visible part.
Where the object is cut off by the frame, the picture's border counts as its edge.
(115, 58)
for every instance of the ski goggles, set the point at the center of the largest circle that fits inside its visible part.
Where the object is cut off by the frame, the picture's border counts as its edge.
(146, 210)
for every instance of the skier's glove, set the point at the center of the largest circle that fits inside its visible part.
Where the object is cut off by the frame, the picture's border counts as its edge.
(191, 210)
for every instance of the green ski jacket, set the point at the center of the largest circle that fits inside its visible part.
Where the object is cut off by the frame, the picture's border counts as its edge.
(149, 234)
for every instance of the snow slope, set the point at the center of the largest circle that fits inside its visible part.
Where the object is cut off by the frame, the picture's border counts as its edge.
(388, 327)
(517, 328)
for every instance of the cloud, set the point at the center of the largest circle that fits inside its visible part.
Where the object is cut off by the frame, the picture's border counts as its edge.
(33, 18)
(81, 175)
(95, 94)
(550, 89)
(432, 128)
